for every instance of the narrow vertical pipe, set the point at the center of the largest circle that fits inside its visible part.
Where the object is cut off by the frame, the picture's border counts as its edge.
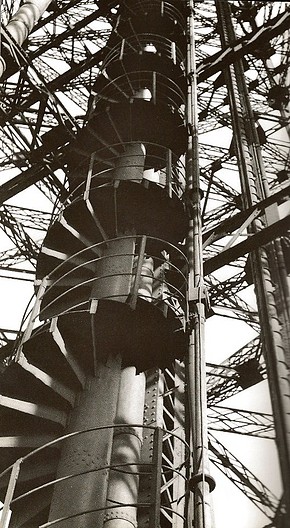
(254, 186)
(123, 483)
(200, 482)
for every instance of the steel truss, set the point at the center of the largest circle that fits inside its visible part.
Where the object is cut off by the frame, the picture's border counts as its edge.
(44, 94)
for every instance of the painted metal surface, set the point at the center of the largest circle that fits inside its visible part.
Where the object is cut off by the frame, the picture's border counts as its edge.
(122, 495)
(85, 454)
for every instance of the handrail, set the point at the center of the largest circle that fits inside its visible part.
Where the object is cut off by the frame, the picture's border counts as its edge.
(157, 162)
(120, 294)
(48, 283)
(132, 44)
(15, 468)
(168, 7)
(173, 291)
(123, 237)
(51, 443)
(165, 87)
(25, 317)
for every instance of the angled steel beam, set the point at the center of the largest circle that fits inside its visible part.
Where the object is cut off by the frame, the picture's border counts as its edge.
(57, 40)
(234, 222)
(29, 177)
(243, 46)
(218, 290)
(261, 238)
(23, 21)
(31, 218)
(243, 478)
(12, 257)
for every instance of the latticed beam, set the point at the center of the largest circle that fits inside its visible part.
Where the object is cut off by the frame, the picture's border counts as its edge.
(241, 370)
(16, 232)
(241, 422)
(32, 218)
(244, 46)
(38, 173)
(243, 478)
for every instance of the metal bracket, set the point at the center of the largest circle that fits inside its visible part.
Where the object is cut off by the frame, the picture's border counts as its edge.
(200, 477)
(94, 306)
(196, 296)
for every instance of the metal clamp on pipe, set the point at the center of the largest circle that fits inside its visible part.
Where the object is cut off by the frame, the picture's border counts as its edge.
(199, 477)
(125, 429)
(189, 201)
(195, 296)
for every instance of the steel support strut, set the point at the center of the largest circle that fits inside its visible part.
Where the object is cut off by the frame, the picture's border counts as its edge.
(200, 483)
(254, 188)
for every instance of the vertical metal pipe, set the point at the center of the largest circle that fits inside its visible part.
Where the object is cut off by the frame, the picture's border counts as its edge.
(123, 483)
(23, 22)
(200, 481)
(253, 183)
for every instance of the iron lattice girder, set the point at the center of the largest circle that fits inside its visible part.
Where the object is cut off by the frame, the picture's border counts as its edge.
(55, 40)
(254, 241)
(234, 222)
(217, 61)
(218, 291)
(225, 295)
(32, 218)
(29, 177)
(241, 422)
(62, 80)
(243, 478)
(209, 65)
(243, 46)
(241, 369)
(12, 257)
(16, 232)
(15, 220)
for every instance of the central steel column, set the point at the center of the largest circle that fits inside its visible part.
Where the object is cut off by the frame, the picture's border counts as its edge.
(83, 455)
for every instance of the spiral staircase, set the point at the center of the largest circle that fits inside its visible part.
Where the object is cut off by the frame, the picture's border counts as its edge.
(111, 284)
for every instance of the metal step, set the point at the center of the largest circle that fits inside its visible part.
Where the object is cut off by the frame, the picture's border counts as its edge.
(34, 409)
(64, 349)
(63, 391)
(48, 350)
(26, 441)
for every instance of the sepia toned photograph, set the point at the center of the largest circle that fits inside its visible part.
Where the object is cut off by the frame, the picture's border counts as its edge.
(144, 264)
